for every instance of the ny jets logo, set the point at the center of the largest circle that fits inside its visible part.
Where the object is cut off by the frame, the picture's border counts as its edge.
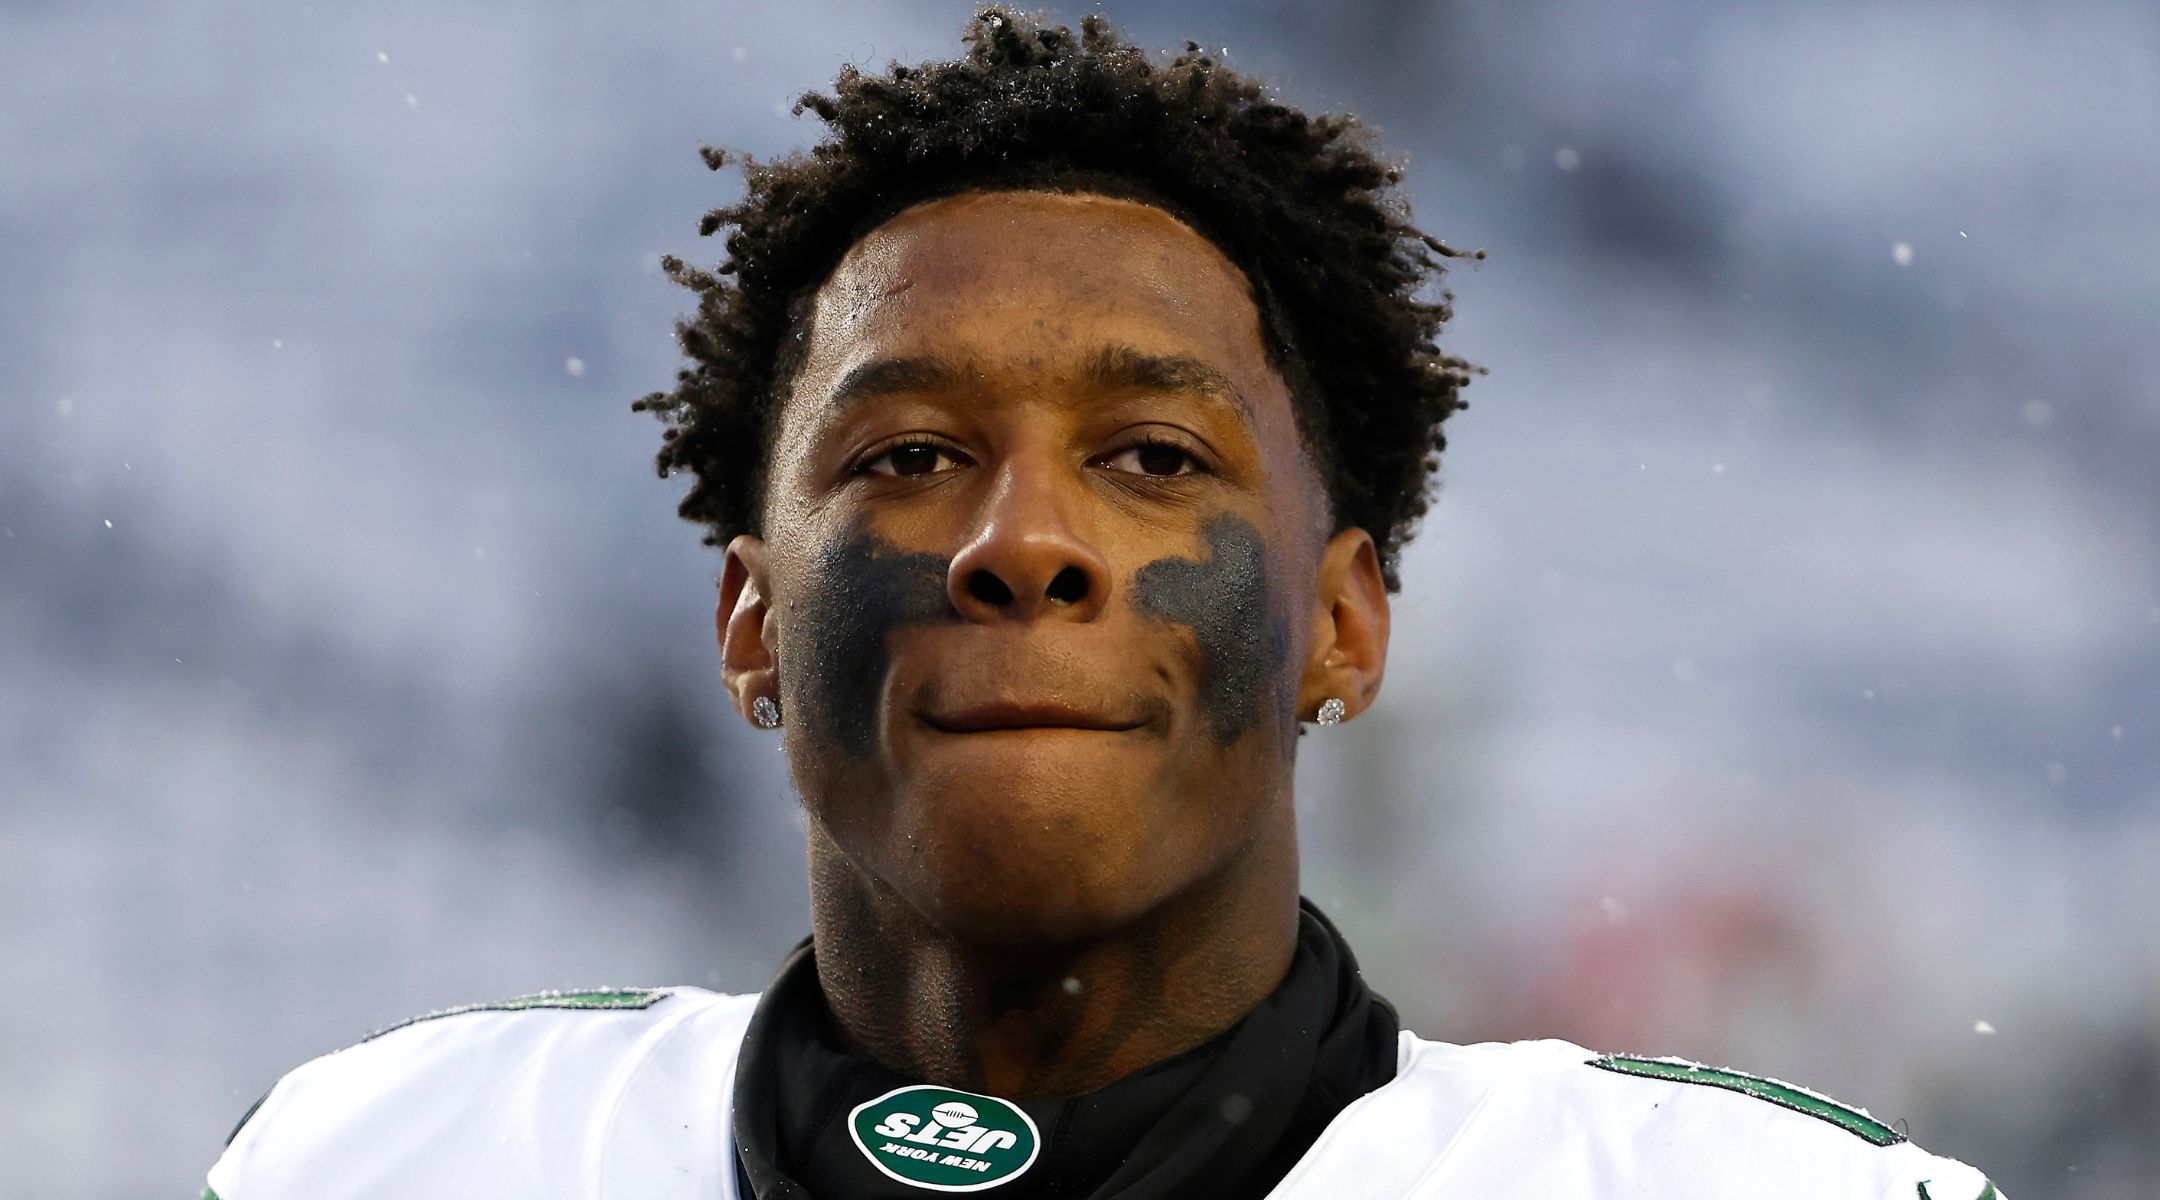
(943, 1140)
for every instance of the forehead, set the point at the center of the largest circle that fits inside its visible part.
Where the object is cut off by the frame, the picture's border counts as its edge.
(1035, 278)
(1012, 239)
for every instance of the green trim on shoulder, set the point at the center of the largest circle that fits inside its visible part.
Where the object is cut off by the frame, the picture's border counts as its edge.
(207, 1194)
(245, 1117)
(596, 998)
(1784, 1095)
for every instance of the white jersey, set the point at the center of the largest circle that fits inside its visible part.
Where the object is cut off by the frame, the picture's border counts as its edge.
(625, 1095)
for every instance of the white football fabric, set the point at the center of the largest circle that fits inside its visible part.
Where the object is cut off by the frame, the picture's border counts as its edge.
(629, 1099)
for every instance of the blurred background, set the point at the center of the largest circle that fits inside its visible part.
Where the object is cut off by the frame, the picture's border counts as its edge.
(1776, 682)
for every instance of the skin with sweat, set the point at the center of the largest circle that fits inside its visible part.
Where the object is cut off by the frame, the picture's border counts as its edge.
(1046, 583)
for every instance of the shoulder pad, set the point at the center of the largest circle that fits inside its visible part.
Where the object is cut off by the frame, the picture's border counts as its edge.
(514, 1092)
(1551, 1118)
(1878, 1159)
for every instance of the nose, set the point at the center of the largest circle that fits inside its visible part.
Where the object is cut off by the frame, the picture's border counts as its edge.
(1026, 561)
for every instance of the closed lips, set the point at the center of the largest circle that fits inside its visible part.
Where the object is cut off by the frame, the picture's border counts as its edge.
(982, 718)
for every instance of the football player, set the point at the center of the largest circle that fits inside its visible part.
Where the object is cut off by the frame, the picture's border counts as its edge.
(1062, 416)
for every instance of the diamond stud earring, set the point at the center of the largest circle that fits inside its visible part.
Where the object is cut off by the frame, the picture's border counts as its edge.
(1331, 711)
(766, 712)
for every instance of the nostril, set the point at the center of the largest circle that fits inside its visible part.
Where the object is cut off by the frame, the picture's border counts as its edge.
(1070, 586)
(988, 588)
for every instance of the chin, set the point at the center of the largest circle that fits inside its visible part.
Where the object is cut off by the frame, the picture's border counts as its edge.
(1032, 859)
(1032, 914)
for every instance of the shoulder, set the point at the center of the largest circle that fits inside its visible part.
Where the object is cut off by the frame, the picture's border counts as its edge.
(502, 1091)
(1508, 1116)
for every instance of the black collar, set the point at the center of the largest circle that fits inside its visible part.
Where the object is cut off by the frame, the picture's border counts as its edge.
(1226, 1119)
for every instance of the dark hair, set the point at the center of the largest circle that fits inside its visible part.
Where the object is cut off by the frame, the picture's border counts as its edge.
(1303, 205)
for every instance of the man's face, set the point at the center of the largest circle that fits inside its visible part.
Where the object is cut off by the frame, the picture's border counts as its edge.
(1040, 562)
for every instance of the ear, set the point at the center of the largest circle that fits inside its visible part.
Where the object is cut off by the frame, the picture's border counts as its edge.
(747, 665)
(1350, 627)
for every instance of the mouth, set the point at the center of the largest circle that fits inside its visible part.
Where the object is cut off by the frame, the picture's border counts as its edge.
(1003, 716)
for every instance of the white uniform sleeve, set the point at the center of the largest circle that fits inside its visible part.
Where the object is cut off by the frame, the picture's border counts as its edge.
(1778, 1137)
(508, 1100)
(1550, 1118)
(376, 1119)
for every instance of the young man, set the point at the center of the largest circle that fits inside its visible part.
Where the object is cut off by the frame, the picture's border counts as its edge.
(1062, 416)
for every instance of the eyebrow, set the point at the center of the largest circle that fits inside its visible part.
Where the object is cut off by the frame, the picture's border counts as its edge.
(1122, 368)
(1109, 369)
(883, 377)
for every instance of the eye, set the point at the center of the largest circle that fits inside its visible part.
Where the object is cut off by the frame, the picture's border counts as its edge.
(907, 460)
(1159, 458)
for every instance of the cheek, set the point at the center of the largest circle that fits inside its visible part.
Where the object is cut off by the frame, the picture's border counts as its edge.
(1231, 602)
(836, 652)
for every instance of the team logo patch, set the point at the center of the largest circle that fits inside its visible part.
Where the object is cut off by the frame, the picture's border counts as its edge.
(943, 1140)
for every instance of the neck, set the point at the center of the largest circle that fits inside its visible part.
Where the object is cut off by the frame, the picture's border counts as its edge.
(1055, 1018)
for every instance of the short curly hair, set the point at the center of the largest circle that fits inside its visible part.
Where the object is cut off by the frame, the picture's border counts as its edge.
(1304, 206)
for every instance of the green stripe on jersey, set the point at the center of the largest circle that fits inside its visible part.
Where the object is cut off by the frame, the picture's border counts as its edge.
(1986, 1193)
(601, 998)
(1784, 1095)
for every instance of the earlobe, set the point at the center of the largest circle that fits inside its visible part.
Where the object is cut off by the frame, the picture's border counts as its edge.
(748, 667)
(1350, 628)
